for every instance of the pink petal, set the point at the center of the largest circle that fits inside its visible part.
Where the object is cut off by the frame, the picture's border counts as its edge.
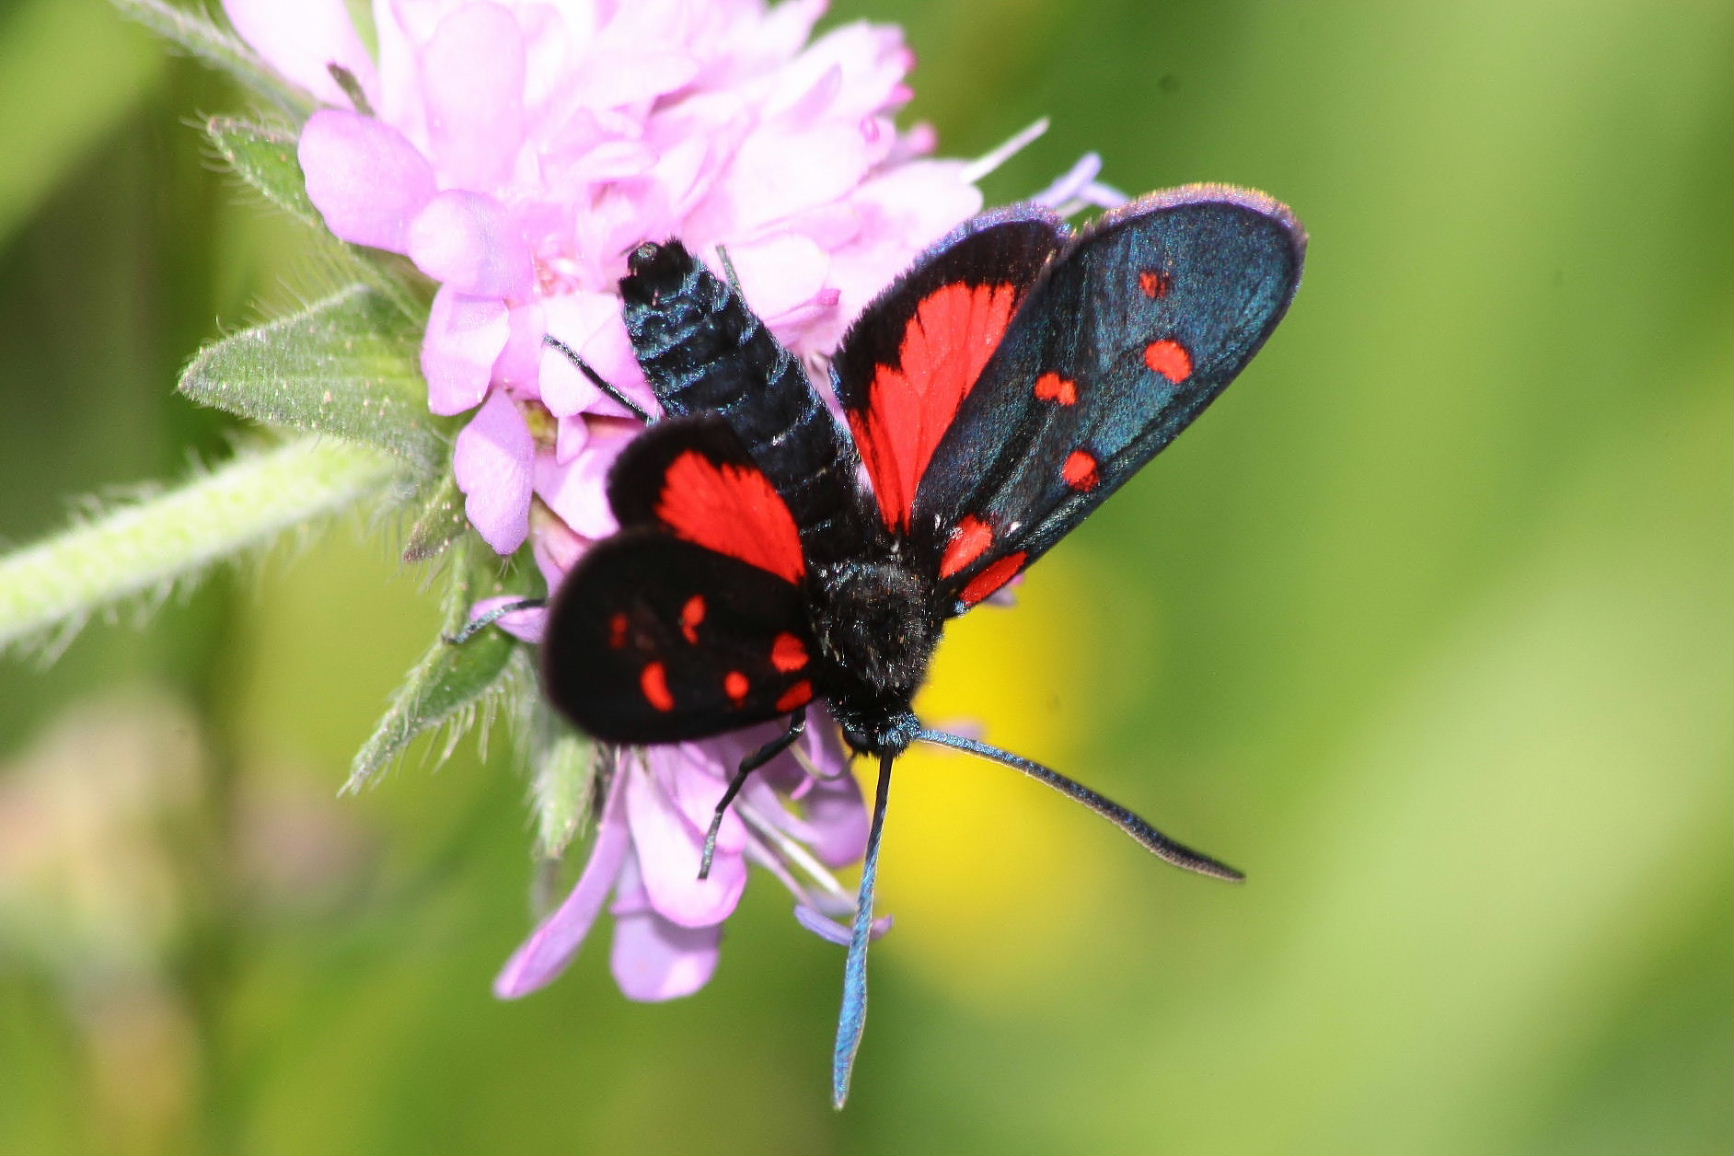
(763, 187)
(554, 944)
(668, 854)
(780, 274)
(654, 959)
(700, 775)
(556, 547)
(518, 367)
(470, 242)
(473, 81)
(492, 463)
(465, 335)
(838, 814)
(577, 490)
(574, 319)
(525, 624)
(300, 40)
(366, 178)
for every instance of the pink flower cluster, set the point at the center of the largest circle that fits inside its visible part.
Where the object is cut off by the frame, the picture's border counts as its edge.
(516, 151)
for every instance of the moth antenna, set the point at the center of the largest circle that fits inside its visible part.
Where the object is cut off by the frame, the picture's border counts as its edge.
(1153, 840)
(483, 621)
(597, 379)
(854, 1015)
(797, 725)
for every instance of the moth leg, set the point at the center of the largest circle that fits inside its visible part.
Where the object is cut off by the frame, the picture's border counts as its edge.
(734, 279)
(596, 379)
(797, 727)
(481, 623)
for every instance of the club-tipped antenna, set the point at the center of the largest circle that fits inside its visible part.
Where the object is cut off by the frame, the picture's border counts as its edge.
(854, 1015)
(597, 379)
(1153, 840)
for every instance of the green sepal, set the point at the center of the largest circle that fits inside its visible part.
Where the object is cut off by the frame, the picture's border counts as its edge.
(562, 784)
(266, 159)
(440, 522)
(452, 680)
(348, 367)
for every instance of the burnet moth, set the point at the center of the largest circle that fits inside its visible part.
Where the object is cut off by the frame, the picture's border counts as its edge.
(996, 394)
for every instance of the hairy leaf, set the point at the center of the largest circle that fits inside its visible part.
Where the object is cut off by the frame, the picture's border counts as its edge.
(265, 158)
(441, 522)
(348, 366)
(452, 680)
(562, 787)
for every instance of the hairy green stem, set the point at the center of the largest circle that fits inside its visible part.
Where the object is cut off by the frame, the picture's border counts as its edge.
(149, 544)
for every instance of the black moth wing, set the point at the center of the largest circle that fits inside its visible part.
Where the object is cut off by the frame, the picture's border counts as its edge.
(1008, 246)
(630, 659)
(692, 620)
(1132, 331)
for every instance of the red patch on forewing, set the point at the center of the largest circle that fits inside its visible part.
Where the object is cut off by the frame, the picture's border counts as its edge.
(654, 683)
(733, 510)
(798, 695)
(1170, 359)
(618, 626)
(952, 333)
(1155, 285)
(969, 541)
(736, 685)
(1051, 386)
(788, 653)
(692, 617)
(991, 579)
(1081, 471)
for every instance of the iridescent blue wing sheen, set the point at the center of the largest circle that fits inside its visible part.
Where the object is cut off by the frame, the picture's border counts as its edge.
(1132, 330)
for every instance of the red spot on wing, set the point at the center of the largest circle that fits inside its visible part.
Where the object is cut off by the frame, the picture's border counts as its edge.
(948, 340)
(1052, 387)
(692, 617)
(969, 541)
(618, 629)
(733, 510)
(798, 695)
(1170, 359)
(736, 685)
(788, 653)
(654, 683)
(991, 579)
(1155, 284)
(1082, 472)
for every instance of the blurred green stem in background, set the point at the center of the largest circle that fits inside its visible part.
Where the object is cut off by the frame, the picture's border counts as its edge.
(145, 547)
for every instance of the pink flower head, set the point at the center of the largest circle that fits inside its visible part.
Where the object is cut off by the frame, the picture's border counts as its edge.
(516, 151)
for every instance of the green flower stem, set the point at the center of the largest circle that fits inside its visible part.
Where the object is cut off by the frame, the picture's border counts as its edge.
(148, 545)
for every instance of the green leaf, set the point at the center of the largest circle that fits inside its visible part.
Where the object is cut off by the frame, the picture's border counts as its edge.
(452, 680)
(441, 522)
(348, 367)
(266, 159)
(563, 784)
(218, 48)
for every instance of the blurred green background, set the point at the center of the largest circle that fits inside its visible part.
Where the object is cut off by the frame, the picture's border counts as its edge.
(1427, 626)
